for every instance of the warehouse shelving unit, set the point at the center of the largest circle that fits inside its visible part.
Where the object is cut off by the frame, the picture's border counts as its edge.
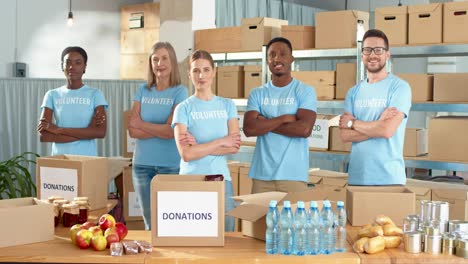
(246, 152)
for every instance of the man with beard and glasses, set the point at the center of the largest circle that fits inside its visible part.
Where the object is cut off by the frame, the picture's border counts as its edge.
(281, 113)
(376, 112)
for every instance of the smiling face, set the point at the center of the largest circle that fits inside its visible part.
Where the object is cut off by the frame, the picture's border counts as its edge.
(375, 63)
(202, 74)
(279, 59)
(74, 66)
(161, 63)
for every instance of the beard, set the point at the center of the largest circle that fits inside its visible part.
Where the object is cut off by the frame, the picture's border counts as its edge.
(379, 68)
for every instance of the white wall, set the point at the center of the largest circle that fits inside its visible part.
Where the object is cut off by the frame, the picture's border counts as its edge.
(42, 34)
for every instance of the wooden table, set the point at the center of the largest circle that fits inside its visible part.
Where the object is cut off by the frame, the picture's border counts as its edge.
(237, 249)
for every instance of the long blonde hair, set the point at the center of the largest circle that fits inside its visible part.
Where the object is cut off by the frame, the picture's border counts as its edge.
(175, 75)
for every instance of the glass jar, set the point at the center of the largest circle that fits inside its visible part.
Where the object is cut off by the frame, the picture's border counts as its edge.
(56, 215)
(51, 199)
(60, 204)
(70, 215)
(83, 207)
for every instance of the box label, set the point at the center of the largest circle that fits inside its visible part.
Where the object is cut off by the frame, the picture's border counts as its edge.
(187, 214)
(134, 208)
(58, 181)
(319, 136)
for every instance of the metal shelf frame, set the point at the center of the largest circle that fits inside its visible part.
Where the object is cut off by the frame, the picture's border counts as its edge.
(246, 152)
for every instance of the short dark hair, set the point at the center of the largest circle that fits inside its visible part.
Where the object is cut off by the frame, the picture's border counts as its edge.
(80, 50)
(376, 33)
(280, 39)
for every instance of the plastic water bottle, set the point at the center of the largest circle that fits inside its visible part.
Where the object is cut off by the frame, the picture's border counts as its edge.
(328, 231)
(340, 227)
(272, 231)
(300, 230)
(286, 229)
(313, 229)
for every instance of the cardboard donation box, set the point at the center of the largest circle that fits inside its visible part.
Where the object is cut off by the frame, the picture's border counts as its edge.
(447, 138)
(257, 31)
(415, 142)
(364, 203)
(70, 176)
(455, 22)
(128, 142)
(25, 221)
(336, 144)
(333, 184)
(450, 87)
(301, 37)
(425, 24)
(186, 210)
(131, 206)
(245, 182)
(254, 207)
(319, 138)
(226, 39)
(422, 190)
(252, 78)
(230, 81)
(345, 79)
(394, 22)
(322, 81)
(343, 24)
(421, 85)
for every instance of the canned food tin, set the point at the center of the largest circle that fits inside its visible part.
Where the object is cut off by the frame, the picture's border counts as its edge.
(432, 244)
(431, 230)
(463, 253)
(449, 241)
(425, 211)
(440, 211)
(457, 226)
(412, 241)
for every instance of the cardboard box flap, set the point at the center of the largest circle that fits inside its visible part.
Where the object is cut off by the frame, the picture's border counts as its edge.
(249, 212)
(265, 21)
(419, 190)
(328, 173)
(335, 181)
(296, 28)
(308, 195)
(380, 189)
(262, 199)
(449, 194)
(314, 179)
(420, 9)
(389, 11)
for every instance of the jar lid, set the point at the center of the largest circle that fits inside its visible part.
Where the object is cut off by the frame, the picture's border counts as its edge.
(61, 202)
(412, 234)
(54, 197)
(70, 206)
(81, 203)
(82, 198)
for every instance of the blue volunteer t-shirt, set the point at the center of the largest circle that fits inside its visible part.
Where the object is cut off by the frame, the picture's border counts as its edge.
(278, 157)
(74, 108)
(156, 107)
(378, 161)
(206, 121)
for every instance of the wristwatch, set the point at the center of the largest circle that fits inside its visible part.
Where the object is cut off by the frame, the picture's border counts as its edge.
(350, 123)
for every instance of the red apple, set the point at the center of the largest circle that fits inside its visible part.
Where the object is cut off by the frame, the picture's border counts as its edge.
(96, 230)
(83, 238)
(88, 225)
(106, 221)
(73, 231)
(111, 236)
(121, 230)
(98, 242)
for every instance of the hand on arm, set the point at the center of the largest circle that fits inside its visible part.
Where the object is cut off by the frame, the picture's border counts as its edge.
(45, 123)
(141, 129)
(301, 127)
(96, 128)
(257, 125)
(233, 139)
(349, 134)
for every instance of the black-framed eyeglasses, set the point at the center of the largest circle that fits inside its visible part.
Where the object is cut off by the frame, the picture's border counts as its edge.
(377, 50)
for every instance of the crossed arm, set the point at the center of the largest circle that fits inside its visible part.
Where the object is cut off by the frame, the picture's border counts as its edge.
(190, 150)
(298, 125)
(141, 129)
(49, 132)
(384, 127)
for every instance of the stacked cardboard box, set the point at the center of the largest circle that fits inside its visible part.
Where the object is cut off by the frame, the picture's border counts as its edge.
(425, 24)
(301, 37)
(131, 207)
(257, 31)
(226, 39)
(252, 78)
(415, 142)
(455, 22)
(450, 87)
(230, 81)
(447, 138)
(336, 144)
(319, 139)
(322, 81)
(345, 79)
(421, 86)
(394, 22)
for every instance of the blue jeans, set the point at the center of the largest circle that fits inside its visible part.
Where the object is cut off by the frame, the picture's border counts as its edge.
(229, 221)
(142, 176)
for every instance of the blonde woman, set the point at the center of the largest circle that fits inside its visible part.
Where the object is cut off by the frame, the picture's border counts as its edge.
(150, 123)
